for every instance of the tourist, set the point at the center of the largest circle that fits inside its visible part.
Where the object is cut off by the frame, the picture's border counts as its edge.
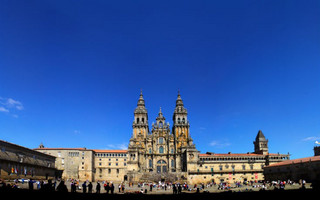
(112, 188)
(90, 188)
(179, 189)
(122, 188)
(84, 187)
(30, 184)
(73, 187)
(98, 188)
(62, 187)
(174, 188)
(107, 187)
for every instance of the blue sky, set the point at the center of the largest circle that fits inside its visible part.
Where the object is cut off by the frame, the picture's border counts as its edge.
(71, 71)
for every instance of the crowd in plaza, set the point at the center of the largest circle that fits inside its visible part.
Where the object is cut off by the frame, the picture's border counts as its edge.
(160, 187)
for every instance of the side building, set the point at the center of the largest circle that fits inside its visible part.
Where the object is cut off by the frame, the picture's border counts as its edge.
(88, 164)
(20, 162)
(296, 169)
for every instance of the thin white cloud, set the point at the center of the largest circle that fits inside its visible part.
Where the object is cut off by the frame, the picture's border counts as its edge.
(8, 105)
(3, 109)
(11, 103)
(122, 146)
(219, 144)
(311, 138)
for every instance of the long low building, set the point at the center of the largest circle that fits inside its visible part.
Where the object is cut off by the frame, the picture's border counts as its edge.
(88, 164)
(234, 167)
(296, 170)
(20, 162)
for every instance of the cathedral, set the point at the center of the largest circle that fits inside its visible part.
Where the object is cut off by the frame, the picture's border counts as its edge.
(160, 150)
(161, 153)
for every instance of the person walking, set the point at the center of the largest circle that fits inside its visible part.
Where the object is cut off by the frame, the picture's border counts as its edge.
(179, 189)
(122, 188)
(112, 188)
(84, 187)
(30, 184)
(62, 187)
(98, 188)
(90, 188)
(107, 188)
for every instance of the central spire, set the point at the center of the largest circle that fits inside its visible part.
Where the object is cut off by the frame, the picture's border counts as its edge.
(160, 115)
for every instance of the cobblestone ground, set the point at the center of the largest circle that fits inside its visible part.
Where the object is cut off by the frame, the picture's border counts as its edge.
(155, 190)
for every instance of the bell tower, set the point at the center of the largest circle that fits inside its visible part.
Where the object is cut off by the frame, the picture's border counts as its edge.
(181, 125)
(140, 123)
(137, 143)
(261, 144)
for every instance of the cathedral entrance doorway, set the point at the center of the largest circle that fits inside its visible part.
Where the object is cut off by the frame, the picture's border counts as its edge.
(161, 167)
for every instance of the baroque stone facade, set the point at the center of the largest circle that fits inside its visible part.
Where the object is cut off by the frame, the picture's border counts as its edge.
(164, 154)
(161, 151)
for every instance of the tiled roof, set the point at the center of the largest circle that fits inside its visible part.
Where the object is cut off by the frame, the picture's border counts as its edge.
(84, 149)
(236, 154)
(295, 161)
(110, 151)
(80, 149)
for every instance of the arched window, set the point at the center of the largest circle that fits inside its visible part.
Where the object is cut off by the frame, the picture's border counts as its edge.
(160, 140)
(172, 163)
(161, 162)
(142, 119)
(150, 151)
(183, 120)
(160, 124)
(137, 120)
(178, 120)
(161, 149)
(150, 163)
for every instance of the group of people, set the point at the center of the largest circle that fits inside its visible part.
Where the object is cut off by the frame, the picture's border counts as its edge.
(87, 187)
